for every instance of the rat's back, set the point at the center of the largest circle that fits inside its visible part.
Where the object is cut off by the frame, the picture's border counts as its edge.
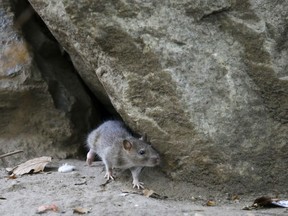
(113, 127)
(107, 134)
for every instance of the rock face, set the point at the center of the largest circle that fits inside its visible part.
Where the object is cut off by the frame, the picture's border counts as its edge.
(44, 108)
(206, 80)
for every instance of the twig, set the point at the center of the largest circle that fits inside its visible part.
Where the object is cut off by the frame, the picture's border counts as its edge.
(10, 153)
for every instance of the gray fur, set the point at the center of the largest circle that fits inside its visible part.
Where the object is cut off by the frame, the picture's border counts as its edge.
(109, 141)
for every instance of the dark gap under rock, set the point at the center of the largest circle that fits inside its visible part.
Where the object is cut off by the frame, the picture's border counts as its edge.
(69, 92)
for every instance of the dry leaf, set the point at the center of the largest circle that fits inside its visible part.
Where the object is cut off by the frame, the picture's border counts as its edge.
(263, 201)
(235, 197)
(267, 202)
(152, 194)
(10, 170)
(80, 210)
(12, 176)
(45, 208)
(34, 165)
(147, 193)
(211, 203)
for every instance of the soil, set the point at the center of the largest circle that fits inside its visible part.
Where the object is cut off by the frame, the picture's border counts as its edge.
(86, 188)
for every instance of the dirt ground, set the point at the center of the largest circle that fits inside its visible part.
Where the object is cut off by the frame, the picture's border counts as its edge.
(84, 188)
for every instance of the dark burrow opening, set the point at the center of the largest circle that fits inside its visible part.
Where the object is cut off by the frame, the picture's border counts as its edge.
(51, 59)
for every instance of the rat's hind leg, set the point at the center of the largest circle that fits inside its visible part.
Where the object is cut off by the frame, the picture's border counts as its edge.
(109, 173)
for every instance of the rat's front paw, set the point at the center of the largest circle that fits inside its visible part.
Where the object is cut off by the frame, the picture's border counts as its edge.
(109, 175)
(139, 185)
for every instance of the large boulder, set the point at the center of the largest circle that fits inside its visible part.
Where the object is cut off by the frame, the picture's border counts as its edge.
(205, 80)
(44, 107)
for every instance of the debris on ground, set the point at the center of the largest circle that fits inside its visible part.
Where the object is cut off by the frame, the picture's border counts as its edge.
(44, 208)
(152, 194)
(267, 202)
(66, 168)
(146, 192)
(211, 203)
(233, 197)
(80, 210)
(11, 153)
(31, 166)
(84, 182)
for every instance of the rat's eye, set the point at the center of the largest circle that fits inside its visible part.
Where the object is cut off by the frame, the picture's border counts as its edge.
(141, 152)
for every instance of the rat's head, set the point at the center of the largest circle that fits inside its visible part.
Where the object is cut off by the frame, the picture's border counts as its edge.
(140, 152)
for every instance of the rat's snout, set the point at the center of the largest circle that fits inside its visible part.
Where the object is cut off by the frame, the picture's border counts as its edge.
(156, 160)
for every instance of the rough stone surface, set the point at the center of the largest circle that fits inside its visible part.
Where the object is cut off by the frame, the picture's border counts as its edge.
(44, 109)
(206, 80)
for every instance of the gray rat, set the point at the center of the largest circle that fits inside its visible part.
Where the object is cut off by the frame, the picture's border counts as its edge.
(117, 148)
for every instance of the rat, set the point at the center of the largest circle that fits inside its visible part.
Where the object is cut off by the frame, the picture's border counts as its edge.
(118, 148)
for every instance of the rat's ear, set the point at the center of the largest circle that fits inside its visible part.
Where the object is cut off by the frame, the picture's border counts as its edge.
(144, 138)
(127, 145)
